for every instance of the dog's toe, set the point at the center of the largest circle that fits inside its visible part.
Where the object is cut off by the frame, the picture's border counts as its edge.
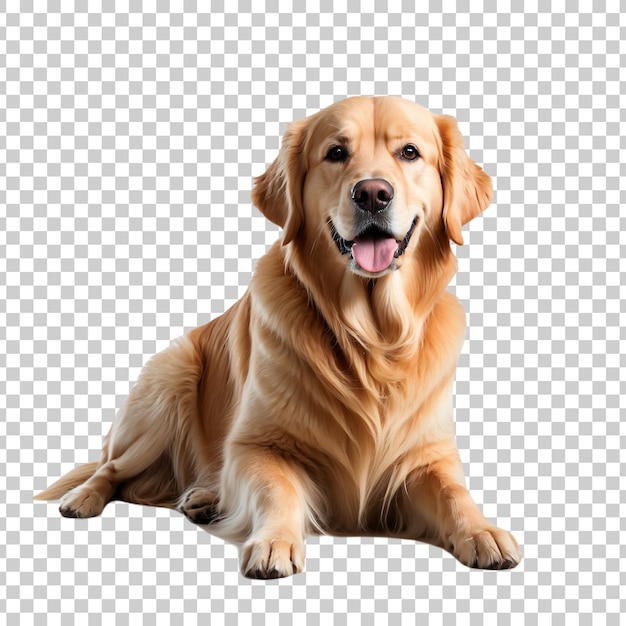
(82, 502)
(487, 548)
(268, 559)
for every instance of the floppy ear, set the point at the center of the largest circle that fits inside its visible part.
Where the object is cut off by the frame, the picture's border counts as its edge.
(278, 192)
(466, 188)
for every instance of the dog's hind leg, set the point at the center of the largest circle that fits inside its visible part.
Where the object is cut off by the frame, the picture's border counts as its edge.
(160, 416)
(121, 461)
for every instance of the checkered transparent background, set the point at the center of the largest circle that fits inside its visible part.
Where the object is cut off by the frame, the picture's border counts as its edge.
(129, 136)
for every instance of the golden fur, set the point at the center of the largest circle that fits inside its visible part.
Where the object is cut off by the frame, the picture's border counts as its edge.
(322, 401)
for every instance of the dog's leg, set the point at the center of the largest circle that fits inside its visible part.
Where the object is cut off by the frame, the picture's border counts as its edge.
(90, 498)
(160, 416)
(136, 441)
(265, 495)
(442, 500)
(122, 459)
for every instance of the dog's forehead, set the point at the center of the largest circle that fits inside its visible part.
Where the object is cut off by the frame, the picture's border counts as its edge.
(397, 116)
(381, 118)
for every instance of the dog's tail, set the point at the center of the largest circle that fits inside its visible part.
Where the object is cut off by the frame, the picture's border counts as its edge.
(72, 479)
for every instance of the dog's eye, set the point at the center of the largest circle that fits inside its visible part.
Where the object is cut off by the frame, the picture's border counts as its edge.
(337, 154)
(409, 152)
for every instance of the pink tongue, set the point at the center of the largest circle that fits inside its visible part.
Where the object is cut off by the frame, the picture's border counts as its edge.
(374, 255)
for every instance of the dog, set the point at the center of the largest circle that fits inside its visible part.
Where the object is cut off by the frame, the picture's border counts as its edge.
(321, 402)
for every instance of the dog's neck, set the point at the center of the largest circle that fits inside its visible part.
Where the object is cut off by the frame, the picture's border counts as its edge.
(377, 323)
(361, 338)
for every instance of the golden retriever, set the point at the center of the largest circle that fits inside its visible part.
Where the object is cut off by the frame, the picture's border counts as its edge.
(322, 401)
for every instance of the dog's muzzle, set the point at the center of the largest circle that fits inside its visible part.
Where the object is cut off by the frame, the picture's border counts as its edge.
(374, 250)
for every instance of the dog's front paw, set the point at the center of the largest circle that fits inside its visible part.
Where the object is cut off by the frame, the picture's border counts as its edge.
(82, 502)
(272, 558)
(486, 548)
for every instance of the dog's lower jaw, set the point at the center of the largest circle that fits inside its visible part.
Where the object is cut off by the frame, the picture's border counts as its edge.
(355, 268)
(345, 248)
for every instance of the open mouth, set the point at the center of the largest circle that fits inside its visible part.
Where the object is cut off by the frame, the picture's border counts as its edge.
(374, 250)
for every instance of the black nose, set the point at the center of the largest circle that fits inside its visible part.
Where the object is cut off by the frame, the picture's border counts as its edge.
(372, 194)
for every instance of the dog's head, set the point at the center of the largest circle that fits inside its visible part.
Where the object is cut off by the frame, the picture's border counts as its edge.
(370, 176)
